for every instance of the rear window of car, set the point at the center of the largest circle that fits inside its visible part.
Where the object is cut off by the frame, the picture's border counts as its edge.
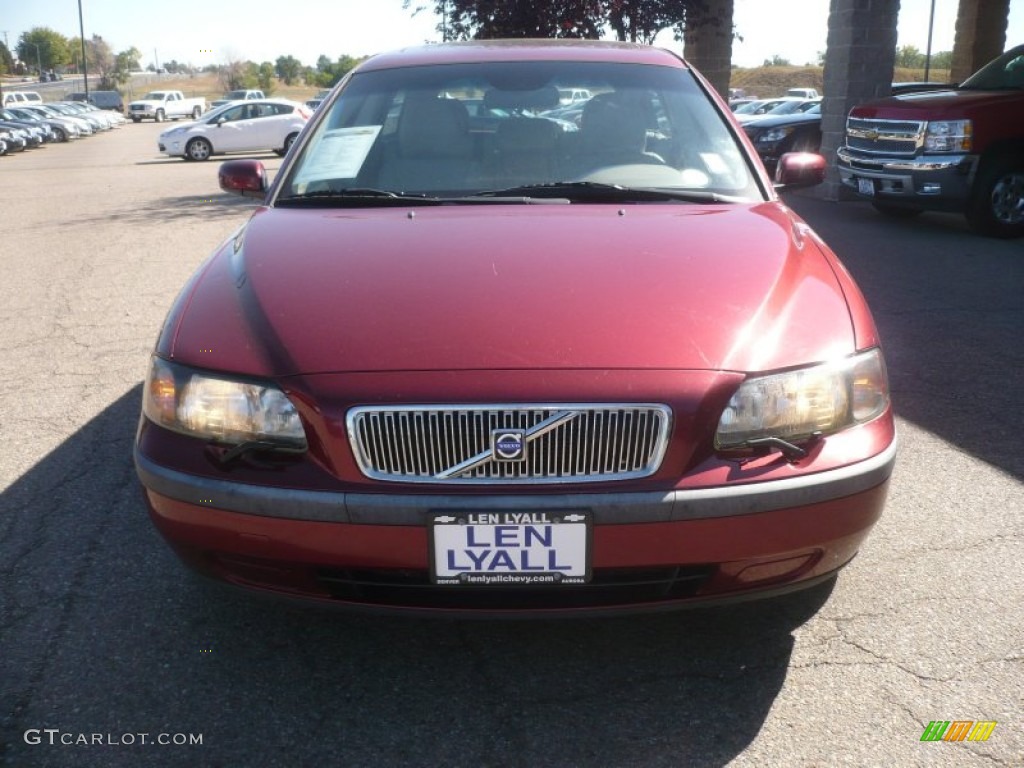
(486, 126)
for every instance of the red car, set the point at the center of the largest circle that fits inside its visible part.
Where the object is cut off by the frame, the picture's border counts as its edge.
(487, 360)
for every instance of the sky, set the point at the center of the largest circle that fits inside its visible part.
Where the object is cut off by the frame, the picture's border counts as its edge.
(204, 32)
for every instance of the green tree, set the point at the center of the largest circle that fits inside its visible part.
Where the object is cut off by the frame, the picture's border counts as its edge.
(634, 20)
(6, 59)
(328, 72)
(942, 60)
(43, 47)
(910, 57)
(288, 68)
(266, 78)
(124, 63)
(776, 61)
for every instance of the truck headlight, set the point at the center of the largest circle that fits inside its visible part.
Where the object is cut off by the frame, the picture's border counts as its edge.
(220, 409)
(949, 136)
(797, 404)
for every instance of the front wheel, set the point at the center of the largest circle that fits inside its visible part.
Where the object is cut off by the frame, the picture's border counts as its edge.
(159, 116)
(196, 113)
(136, 119)
(896, 211)
(996, 207)
(61, 134)
(198, 149)
(289, 140)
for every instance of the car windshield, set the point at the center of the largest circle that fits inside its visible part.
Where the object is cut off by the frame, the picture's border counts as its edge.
(502, 127)
(1004, 73)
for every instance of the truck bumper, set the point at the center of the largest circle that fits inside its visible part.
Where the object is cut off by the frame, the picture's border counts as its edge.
(931, 183)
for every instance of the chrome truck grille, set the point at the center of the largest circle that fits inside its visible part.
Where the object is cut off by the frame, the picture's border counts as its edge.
(480, 444)
(884, 137)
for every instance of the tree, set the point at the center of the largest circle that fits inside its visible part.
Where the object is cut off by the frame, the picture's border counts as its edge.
(910, 57)
(265, 77)
(942, 60)
(640, 21)
(633, 20)
(6, 59)
(327, 73)
(288, 68)
(232, 75)
(776, 61)
(124, 64)
(52, 51)
(101, 60)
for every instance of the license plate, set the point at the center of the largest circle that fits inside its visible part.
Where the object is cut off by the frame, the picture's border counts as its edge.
(866, 187)
(510, 549)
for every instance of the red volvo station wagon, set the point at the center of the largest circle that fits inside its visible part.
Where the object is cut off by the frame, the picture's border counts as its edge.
(482, 351)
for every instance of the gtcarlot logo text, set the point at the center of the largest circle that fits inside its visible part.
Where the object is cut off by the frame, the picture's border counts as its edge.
(55, 737)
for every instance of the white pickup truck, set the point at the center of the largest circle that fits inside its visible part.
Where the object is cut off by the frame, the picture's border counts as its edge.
(166, 105)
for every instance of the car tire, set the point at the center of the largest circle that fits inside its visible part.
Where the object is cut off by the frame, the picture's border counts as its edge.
(196, 113)
(136, 119)
(996, 207)
(198, 149)
(896, 211)
(288, 141)
(61, 134)
(159, 116)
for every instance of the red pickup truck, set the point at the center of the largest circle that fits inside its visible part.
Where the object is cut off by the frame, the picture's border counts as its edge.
(959, 150)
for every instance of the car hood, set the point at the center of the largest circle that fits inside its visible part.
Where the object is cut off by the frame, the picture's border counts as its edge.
(495, 287)
(934, 105)
(774, 121)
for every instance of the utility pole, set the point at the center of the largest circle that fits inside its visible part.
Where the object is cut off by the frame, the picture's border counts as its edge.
(85, 66)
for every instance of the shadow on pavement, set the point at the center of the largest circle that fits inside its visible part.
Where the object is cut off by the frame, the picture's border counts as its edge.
(950, 307)
(104, 632)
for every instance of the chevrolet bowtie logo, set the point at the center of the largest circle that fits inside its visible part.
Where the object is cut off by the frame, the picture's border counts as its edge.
(871, 134)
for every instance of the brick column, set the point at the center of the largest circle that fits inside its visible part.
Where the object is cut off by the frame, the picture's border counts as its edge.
(980, 35)
(708, 44)
(859, 59)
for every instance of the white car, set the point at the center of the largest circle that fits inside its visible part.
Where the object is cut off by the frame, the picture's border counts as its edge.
(249, 126)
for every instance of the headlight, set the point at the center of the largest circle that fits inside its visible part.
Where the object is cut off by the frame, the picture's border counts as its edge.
(949, 136)
(798, 404)
(773, 135)
(220, 409)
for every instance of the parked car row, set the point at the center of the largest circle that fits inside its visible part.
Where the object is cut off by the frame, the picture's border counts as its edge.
(32, 124)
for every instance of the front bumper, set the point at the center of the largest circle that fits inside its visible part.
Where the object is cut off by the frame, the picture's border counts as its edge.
(929, 182)
(650, 550)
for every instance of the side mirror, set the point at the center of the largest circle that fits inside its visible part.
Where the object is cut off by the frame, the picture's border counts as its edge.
(221, 121)
(247, 178)
(800, 169)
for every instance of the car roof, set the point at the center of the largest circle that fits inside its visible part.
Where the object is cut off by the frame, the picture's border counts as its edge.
(470, 51)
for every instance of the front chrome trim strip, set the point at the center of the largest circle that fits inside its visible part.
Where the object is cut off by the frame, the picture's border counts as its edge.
(927, 163)
(607, 508)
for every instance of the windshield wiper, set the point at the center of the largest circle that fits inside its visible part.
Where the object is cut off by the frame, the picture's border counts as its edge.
(367, 196)
(356, 196)
(598, 192)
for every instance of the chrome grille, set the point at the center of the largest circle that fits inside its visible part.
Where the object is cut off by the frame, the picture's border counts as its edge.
(567, 443)
(886, 137)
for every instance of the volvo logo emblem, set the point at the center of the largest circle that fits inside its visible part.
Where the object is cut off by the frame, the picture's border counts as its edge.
(508, 444)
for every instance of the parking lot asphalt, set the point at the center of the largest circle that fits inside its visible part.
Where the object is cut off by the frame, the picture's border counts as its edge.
(104, 637)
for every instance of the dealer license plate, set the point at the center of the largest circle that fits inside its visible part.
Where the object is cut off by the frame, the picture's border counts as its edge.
(510, 549)
(866, 187)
